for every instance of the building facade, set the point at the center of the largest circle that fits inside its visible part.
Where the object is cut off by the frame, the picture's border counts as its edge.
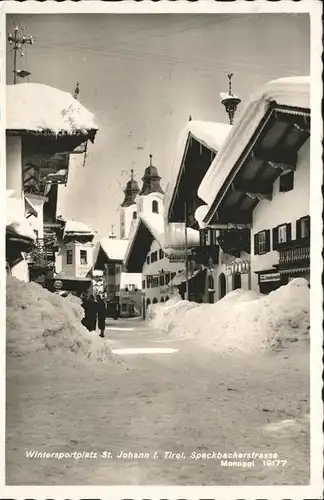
(38, 148)
(281, 229)
(158, 271)
(265, 183)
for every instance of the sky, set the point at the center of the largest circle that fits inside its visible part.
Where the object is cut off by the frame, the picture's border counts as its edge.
(142, 76)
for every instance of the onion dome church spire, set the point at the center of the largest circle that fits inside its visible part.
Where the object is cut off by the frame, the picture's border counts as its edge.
(131, 191)
(151, 180)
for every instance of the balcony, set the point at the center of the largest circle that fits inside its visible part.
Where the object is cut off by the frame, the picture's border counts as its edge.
(235, 241)
(41, 259)
(297, 254)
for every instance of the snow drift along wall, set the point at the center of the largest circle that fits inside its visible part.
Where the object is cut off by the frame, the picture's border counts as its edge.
(242, 321)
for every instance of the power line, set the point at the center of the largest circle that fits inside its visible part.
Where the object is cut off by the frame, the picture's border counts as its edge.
(240, 66)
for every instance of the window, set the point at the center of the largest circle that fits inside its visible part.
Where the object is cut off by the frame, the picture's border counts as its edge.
(167, 279)
(161, 254)
(208, 237)
(147, 259)
(155, 207)
(154, 256)
(69, 257)
(83, 257)
(135, 215)
(281, 234)
(143, 284)
(154, 301)
(173, 275)
(162, 280)
(148, 302)
(303, 228)
(124, 307)
(286, 182)
(262, 242)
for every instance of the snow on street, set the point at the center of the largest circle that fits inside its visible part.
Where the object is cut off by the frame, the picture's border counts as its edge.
(188, 400)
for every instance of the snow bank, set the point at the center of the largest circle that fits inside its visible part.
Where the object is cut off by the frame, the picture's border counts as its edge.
(39, 321)
(15, 218)
(37, 107)
(242, 321)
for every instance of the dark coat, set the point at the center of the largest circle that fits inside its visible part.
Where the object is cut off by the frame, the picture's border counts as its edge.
(101, 313)
(90, 314)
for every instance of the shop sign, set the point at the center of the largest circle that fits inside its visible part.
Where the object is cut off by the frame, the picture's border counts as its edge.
(265, 278)
(83, 270)
(178, 257)
(58, 285)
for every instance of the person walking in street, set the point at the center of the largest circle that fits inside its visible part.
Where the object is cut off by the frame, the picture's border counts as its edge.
(101, 314)
(86, 307)
(92, 314)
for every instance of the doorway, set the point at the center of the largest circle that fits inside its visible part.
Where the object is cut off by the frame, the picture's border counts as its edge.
(236, 281)
(222, 285)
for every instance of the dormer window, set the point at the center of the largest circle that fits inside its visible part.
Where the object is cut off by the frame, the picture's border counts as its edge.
(155, 207)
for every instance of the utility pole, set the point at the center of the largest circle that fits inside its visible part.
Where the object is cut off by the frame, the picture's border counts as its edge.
(18, 43)
(186, 252)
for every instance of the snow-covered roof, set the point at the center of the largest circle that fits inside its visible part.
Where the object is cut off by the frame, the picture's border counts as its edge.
(200, 214)
(113, 248)
(75, 227)
(290, 91)
(210, 134)
(170, 237)
(38, 107)
(15, 218)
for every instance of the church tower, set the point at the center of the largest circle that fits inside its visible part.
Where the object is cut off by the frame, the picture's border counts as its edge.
(128, 207)
(151, 180)
(150, 199)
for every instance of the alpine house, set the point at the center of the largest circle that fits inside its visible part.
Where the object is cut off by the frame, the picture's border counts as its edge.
(260, 181)
(44, 125)
(198, 146)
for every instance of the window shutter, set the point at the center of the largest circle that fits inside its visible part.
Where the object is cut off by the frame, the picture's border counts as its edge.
(275, 238)
(256, 244)
(298, 229)
(308, 225)
(201, 237)
(267, 240)
(288, 232)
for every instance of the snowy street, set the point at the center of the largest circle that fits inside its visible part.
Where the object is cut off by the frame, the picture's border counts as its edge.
(189, 400)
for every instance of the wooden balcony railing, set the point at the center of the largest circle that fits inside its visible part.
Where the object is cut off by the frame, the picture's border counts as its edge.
(294, 255)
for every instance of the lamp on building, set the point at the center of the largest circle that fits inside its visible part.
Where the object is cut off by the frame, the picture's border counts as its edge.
(229, 100)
